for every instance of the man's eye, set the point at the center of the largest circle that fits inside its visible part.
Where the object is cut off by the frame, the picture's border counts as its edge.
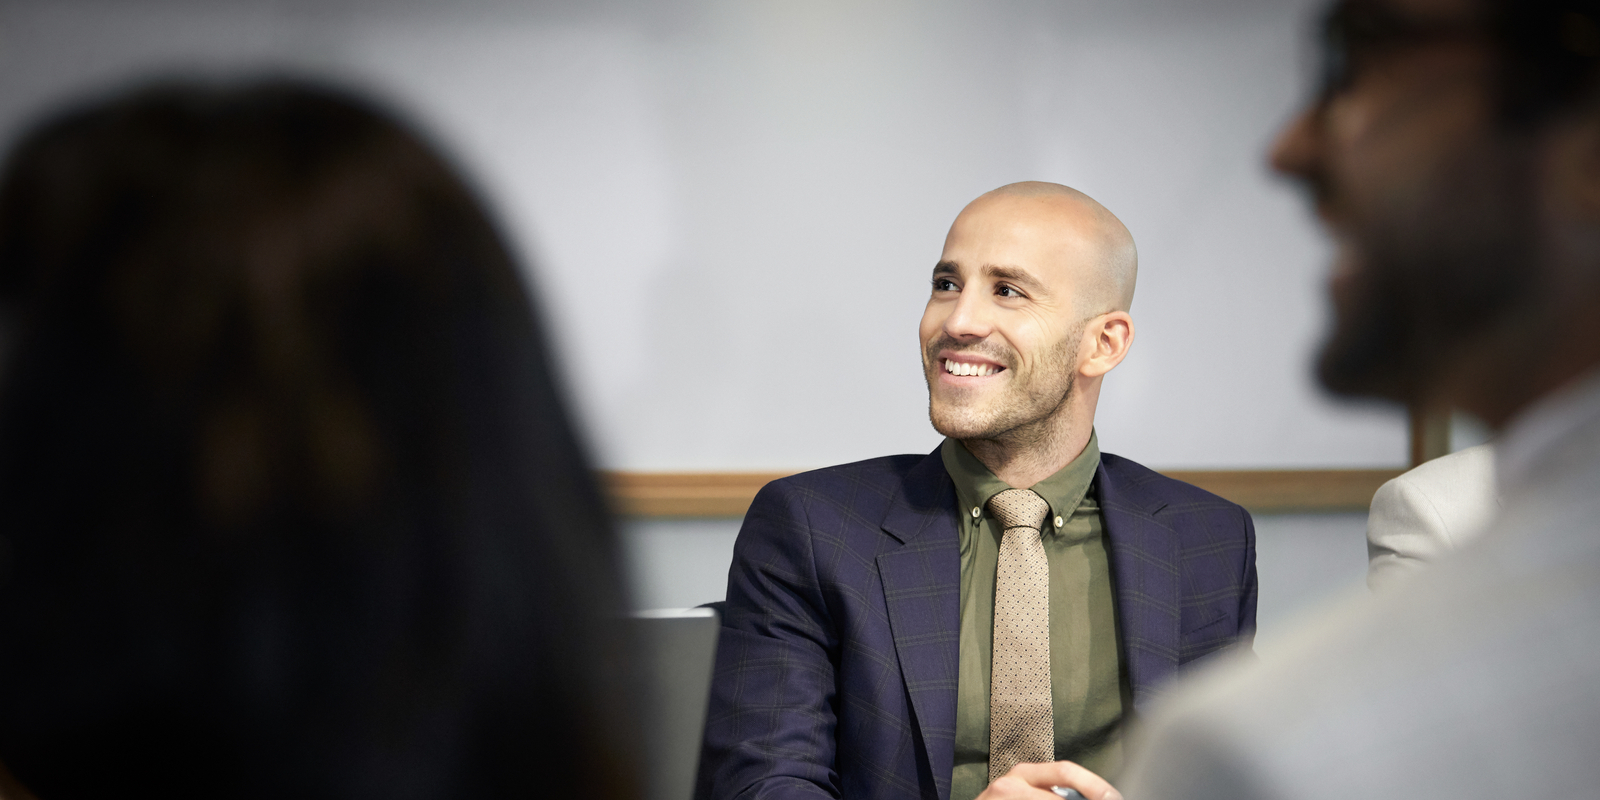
(1007, 291)
(944, 285)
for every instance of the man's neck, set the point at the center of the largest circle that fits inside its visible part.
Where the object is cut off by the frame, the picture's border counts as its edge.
(1022, 459)
(1571, 352)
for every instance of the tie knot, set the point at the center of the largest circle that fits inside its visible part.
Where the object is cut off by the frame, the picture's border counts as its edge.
(1019, 508)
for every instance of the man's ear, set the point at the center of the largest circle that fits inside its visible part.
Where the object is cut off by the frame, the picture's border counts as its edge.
(1106, 340)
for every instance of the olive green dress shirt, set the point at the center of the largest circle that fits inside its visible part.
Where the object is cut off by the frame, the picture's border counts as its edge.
(1088, 685)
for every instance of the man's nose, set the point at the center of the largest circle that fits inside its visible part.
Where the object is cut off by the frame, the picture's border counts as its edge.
(970, 319)
(1298, 147)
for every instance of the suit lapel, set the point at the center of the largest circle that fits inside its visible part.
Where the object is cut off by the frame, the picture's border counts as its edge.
(921, 574)
(1145, 568)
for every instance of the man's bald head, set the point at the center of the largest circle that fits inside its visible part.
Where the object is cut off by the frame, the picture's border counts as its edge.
(1101, 249)
(1028, 311)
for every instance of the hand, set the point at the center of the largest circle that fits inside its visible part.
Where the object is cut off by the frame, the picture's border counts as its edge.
(1033, 782)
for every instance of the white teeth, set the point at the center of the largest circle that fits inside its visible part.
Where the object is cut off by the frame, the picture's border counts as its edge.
(959, 368)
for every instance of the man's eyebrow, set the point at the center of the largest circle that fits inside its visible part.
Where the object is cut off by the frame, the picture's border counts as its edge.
(1016, 275)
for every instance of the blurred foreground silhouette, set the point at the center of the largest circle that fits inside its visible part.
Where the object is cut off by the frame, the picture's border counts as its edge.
(1450, 151)
(289, 501)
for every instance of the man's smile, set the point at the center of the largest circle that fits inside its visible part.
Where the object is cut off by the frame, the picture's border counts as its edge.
(968, 366)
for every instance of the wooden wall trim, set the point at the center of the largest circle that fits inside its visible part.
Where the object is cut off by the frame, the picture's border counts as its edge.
(685, 494)
(728, 494)
(1289, 490)
(1430, 432)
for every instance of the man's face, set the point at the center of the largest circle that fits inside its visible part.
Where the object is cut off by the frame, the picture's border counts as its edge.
(1428, 198)
(1000, 335)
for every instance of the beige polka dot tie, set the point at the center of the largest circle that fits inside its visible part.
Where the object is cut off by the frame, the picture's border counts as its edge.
(1021, 723)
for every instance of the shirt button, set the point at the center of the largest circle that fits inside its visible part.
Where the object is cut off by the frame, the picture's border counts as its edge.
(975, 512)
(1058, 522)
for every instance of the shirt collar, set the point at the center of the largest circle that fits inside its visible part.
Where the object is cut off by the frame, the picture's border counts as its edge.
(1535, 434)
(975, 484)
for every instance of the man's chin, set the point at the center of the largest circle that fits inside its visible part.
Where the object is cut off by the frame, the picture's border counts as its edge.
(1369, 353)
(961, 423)
(1368, 361)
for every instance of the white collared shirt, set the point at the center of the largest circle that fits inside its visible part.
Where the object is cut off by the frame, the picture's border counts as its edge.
(1535, 434)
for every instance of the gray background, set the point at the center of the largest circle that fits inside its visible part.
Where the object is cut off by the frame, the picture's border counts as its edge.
(731, 208)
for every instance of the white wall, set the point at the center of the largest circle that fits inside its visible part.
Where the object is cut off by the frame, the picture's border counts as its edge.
(733, 205)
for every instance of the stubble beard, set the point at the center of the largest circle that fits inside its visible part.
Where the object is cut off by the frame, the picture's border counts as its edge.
(1456, 267)
(1030, 410)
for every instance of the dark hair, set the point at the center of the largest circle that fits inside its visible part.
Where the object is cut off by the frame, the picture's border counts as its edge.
(1551, 50)
(289, 500)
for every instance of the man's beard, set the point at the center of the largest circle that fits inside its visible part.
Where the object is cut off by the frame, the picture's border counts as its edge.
(1440, 274)
(1020, 414)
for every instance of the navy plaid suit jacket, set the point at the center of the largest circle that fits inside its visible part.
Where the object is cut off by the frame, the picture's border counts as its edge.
(836, 666)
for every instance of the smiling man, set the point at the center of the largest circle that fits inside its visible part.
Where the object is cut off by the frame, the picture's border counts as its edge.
(982, 620)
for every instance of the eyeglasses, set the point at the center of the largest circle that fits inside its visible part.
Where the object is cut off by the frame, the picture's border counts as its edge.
(1355, 32)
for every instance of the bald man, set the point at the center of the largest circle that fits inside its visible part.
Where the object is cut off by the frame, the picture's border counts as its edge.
(979, 621)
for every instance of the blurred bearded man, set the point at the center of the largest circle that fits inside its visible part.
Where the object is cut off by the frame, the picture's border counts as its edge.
(1454, 153)
(979, 621)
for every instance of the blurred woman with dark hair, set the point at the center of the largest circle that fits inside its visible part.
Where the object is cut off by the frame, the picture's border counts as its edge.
(289, 501)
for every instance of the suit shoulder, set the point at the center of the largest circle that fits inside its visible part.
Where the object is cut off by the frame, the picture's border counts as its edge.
(858, 490)
(885, 470)
(1464, 472)
(1133, 478)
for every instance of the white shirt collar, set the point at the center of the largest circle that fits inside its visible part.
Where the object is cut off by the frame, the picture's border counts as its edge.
(1541, 427)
